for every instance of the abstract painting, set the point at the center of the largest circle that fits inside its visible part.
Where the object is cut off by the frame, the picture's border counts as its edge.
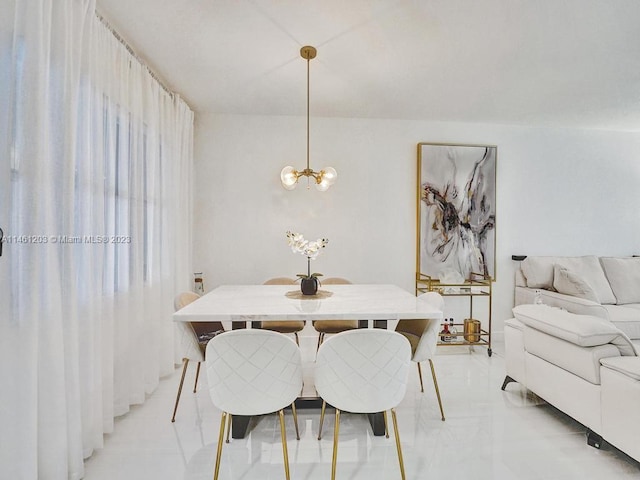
(456, 210)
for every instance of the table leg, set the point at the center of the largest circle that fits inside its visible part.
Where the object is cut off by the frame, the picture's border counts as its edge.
(239, 423)
(376, 324)
(377, 423)
(240, 426)
(376, 420)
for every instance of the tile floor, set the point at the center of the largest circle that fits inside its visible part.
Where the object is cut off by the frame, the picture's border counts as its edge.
(488, 434)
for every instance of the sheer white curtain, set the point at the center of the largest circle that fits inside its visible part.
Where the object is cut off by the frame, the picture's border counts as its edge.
(96, 210)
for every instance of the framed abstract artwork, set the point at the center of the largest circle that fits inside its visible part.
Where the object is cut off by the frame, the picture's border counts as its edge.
(456, 210)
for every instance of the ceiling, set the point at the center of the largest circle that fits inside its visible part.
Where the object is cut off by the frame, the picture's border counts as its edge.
(560, 63)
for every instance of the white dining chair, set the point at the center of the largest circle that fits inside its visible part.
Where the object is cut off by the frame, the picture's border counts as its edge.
(363, 371)
(193, 341)
(423, 337)
(253, 372)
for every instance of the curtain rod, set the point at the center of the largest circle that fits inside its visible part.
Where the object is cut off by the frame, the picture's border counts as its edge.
(133, 54)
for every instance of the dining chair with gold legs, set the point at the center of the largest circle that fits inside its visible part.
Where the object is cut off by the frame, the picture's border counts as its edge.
(423, 337)
(363, 371)
(240, 385)
(333, 326)
(193, 341)
(283, 326)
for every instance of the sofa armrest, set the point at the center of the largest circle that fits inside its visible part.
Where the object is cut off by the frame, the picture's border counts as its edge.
(514, 350)
(577, 305)
(581, 330)
(620, 400)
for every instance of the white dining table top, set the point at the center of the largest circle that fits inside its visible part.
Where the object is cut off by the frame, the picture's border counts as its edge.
(284, 302)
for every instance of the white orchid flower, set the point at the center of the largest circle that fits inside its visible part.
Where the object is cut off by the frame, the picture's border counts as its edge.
(309, 249)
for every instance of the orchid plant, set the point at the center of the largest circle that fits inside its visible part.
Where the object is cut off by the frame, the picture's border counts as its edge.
(310, 249)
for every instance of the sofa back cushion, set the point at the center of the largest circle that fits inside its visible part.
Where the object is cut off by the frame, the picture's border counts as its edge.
(539, 274)
(624, 276)
(570, 283)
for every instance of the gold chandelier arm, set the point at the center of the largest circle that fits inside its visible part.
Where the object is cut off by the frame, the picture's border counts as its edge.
(307, 172)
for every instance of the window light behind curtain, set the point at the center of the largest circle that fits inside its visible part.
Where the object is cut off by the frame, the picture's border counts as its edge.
(95, 203)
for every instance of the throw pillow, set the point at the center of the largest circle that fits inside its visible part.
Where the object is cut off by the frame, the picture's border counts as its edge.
(569, 283)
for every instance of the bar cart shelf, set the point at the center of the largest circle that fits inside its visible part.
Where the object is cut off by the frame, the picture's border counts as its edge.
(477, 285)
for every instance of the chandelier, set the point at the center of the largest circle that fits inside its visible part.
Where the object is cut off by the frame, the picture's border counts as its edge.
(289, 176)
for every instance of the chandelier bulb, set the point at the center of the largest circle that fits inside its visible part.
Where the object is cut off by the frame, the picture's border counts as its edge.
(289, 177)
(330, 174)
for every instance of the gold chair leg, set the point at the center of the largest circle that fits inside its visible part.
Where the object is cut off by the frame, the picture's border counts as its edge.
(395, 427)
(336, 430)
(184, 372)
(320, 340)
(285, 453)
(220, 440)
(297, 341)
(228, 426)
(435, 384)
(420, 375)
(295, 419)
(386, 425)
(324, 406)
(195, 384)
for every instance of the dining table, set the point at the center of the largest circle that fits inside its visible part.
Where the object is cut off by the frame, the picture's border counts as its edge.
(245, 306)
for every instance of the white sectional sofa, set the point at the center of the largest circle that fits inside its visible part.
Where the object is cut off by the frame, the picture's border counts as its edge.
(575, 350)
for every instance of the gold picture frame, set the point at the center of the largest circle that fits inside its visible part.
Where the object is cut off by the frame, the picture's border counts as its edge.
(456, 210)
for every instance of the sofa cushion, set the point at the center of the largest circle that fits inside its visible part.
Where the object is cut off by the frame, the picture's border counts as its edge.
(569, 283)
(629, 366)
(539, 273)
(624, 277)
(581, 330)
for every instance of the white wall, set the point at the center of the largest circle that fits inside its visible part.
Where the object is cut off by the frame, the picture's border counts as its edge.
(559, 191)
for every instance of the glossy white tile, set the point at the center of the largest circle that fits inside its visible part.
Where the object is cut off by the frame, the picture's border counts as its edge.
(488, 434)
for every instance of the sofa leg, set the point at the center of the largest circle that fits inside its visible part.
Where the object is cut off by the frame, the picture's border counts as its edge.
(507, 381)
(593, 439)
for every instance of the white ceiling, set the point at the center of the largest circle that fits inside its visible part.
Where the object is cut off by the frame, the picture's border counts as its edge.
(569, 63)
